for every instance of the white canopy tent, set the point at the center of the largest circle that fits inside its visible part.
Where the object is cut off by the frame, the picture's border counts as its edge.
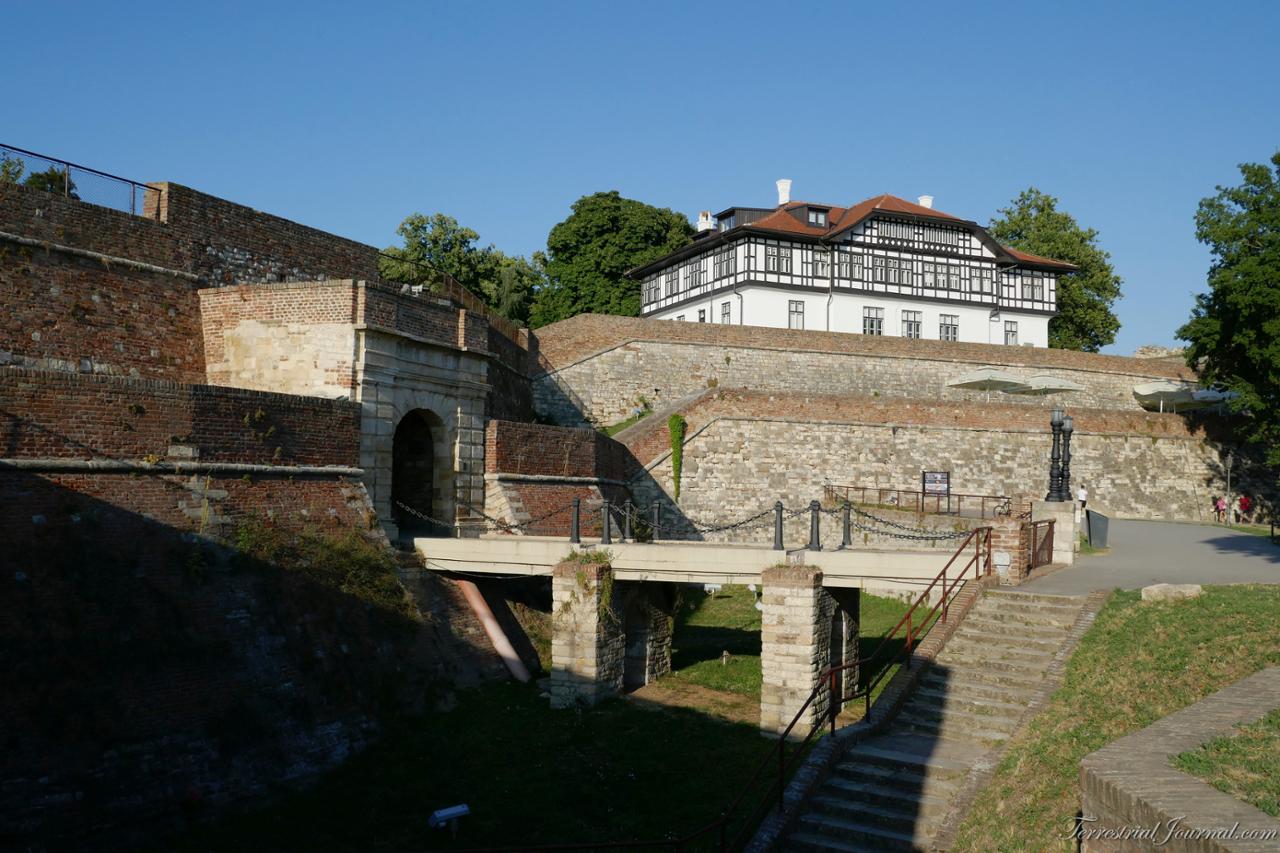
(1043, 384)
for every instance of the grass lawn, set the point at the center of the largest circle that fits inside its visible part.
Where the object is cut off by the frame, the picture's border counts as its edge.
(1246, 765)
(709, 624)
(1138, 663)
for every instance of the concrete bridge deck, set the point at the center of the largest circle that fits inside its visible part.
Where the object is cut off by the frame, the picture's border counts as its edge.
(690, 562)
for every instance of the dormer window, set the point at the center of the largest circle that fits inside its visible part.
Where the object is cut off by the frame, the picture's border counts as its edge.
(818, 217)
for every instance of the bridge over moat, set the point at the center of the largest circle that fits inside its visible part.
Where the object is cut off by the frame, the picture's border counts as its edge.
(613, 604)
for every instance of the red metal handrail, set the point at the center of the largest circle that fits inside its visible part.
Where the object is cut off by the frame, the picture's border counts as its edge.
(980, 562)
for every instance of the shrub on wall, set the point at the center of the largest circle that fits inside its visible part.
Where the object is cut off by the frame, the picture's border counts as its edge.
(676, 426)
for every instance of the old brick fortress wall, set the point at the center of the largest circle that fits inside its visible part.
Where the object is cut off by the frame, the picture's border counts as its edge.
(534, 472)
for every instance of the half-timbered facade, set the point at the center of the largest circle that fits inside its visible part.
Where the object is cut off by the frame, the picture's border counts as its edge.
(885, 266)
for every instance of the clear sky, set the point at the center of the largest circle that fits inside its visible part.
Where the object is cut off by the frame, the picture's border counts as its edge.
(350, 116)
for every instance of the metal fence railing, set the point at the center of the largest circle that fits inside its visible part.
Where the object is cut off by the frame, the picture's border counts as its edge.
(968, 506)
(60, 177)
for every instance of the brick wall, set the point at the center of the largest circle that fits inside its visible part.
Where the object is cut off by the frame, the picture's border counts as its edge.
(73, 313)
(595, 368)
(49, 414)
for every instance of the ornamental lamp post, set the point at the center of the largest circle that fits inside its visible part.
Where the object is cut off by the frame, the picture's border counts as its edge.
(1055, 458)
(1068, 426)
(1230, 460)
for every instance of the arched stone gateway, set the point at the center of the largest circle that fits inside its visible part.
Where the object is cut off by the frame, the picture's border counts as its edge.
(418, 458)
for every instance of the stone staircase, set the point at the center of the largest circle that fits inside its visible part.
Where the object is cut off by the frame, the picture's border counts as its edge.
(891, 791)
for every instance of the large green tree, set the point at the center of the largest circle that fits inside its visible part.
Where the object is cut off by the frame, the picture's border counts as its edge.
(52, 180)
(1234, 331)
(437, 243)
(1033, 223)
(11, 168)
(589, 253)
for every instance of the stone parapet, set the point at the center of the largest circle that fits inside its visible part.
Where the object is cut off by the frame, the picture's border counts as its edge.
(1130, 785)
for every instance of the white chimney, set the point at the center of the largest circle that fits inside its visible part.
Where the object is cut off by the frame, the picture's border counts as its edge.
(926, 201)
(705, 222)
(784, 191)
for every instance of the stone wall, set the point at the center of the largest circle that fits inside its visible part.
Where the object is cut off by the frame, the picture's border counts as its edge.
(596, 368)
(747, 451)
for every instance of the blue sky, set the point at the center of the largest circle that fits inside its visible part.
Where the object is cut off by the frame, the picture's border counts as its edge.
(349, 116)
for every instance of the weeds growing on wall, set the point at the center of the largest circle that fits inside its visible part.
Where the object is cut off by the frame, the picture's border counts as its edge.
(676, 425)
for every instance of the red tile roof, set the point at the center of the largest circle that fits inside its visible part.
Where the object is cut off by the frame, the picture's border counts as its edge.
(842, 218)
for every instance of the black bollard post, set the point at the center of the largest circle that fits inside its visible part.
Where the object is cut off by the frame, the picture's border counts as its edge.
(606, 538)
(575, 522)
(847, 540)
(626, 521)
(815, 535)
(777, 526)
(657, 519)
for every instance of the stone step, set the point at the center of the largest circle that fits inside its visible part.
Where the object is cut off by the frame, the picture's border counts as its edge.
(909, 782)
(1061, 617)
(974, 652)
(901, 816)
(1024, 670)
(1008, 642)
(927, 765)
(808, 842)
(984, 626)
(964, 686)
(979, 677)
(928, 798)
(930, 697)
(1076, 601)
(829, 826)
(954, 727)
(942, 714)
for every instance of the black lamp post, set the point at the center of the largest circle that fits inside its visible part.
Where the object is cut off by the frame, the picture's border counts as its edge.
(1055, 458)
(1068, 426)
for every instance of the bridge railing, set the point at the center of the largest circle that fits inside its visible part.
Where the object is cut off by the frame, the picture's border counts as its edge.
(733, 828)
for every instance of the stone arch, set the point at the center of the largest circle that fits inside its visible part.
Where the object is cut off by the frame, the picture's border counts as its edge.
(421, 468)
(637, 643)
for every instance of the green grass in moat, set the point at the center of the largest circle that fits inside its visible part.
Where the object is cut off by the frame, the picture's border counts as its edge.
(1137, 663)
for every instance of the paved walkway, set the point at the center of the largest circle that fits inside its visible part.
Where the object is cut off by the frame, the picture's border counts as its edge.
(1147, 552)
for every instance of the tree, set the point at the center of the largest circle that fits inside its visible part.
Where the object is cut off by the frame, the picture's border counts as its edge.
(1234, 331)
(437, 243)
(1034, 224)
(11, 168)
(52, 180)
(589, 253)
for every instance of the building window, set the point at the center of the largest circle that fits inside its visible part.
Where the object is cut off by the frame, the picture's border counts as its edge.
(891, 270)
(818, 218)
(948, 327)
(795, 314)
(1011, 332)
(911, 324)
(1032, 287)
(651, 290)
(693, 277)
(849, 265)
(702, 315)
(940, 236)
(725, 313)
(981, 280)
(821, 264)
(873, 321)
(673, 282)
(680, 317)
(896, 230)
(726, 263)
(777, 259)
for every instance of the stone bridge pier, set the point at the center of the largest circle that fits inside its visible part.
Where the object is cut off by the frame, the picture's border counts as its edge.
(611, 636)
(805, 628)
(608, 636)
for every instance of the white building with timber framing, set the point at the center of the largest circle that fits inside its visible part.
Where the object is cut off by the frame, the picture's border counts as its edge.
(884, 266)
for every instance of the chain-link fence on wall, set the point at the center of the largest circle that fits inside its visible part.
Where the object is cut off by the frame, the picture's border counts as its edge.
(59, 177)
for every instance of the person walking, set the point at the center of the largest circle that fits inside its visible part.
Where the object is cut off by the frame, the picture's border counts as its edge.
(1246, 508)
(1082, 495)
(1219, 508)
